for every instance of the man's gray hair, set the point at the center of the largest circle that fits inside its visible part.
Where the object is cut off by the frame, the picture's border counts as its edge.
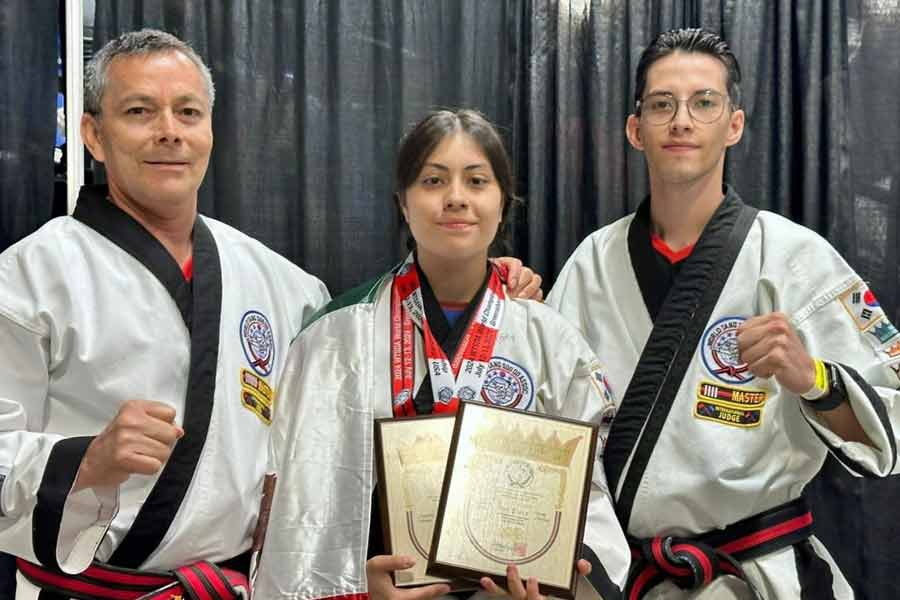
(145, 41)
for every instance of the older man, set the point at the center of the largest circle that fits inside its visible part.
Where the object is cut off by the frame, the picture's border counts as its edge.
(160, 329)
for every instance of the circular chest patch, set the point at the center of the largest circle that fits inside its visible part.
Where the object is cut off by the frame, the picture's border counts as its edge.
(720, 351)
(258, 342)
(507, 384)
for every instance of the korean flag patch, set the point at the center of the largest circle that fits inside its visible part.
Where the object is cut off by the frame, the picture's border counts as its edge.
(862, 306)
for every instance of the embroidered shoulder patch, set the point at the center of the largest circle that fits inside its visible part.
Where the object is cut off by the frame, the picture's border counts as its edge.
(507, 384)
(600, 381)
(733, 406)
(884, 333)
(862, 306)
(608, 412)
(720, 353)
(868, 316)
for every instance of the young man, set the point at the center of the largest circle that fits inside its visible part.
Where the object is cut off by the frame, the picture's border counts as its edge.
(742, 346)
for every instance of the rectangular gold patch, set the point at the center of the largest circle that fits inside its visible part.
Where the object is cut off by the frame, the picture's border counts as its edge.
(733, 406)
(257, 395)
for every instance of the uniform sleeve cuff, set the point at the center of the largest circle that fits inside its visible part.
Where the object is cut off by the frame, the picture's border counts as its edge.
(87, 515)
(871, 413)
(68, 527)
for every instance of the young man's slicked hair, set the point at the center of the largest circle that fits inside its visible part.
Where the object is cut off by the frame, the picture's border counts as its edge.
(690, 40)
(133, 43)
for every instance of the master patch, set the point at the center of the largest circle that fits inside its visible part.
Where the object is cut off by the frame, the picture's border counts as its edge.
(862, 306)
(730, 396)
(733, 406)
(257, 395)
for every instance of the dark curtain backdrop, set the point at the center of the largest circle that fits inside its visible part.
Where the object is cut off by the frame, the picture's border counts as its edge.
(313, 97)
(28, 86)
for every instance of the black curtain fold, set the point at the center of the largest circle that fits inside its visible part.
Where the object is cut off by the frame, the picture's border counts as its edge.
(28, 88)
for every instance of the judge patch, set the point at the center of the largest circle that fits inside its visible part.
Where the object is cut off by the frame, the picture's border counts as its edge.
(258, 342)
(507, 384)
(734, 417)
(719, 349)
(737, 407)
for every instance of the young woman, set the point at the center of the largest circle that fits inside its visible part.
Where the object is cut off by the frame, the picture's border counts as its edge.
(370, 354)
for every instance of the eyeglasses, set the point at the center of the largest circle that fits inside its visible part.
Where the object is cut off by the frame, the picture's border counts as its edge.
(660, 109)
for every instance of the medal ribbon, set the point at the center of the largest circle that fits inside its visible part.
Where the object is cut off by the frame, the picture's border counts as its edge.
(450, 381)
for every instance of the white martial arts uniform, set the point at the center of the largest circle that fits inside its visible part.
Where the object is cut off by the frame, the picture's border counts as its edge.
(85, 326)
(713, 465)
(337, 381)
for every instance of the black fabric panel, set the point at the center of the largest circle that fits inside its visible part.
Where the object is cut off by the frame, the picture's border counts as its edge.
(162, 504)
(376, 544)
(655, 274)
(59, 476)
(816, 579)
(598, 576)
(28, 87)
(95, 210)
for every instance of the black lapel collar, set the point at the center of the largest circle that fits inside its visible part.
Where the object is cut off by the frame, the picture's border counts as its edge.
(653, 283)
(200, 304)
(95, 210)
(448, 337)
(671, 347)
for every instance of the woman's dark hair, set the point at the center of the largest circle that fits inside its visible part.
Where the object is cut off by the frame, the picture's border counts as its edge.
(427, 134)
(690, 40)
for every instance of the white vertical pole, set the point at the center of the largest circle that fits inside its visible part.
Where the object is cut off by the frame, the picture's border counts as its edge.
(74, 99)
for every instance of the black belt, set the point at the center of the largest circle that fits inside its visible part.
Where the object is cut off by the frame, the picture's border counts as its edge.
(694, 562)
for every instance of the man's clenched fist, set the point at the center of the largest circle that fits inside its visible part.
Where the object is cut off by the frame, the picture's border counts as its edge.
(139, 440)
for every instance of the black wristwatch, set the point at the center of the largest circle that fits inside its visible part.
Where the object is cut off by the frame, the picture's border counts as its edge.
(837, 394)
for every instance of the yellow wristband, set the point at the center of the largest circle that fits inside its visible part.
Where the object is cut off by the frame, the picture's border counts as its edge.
(820, 388)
